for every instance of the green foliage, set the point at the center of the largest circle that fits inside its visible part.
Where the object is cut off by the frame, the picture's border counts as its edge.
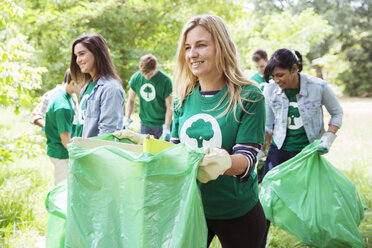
(19, 146)
(25, 178)
(131, 29)
(51, 27)
(351, 36)
(293, 31)
(17, 77)
(23, 187)
(8, 10)
(357, 77)
(19, 187)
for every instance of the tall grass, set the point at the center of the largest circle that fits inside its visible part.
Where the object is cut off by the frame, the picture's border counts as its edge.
(25, 183)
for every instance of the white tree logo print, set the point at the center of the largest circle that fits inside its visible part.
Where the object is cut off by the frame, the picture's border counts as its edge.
(147, 92)
(201, 130)
(294, 121)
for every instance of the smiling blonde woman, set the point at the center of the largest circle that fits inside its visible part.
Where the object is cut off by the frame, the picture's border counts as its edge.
(219, 110)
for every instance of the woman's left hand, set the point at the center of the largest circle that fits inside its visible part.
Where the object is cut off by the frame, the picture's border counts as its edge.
(327, 140)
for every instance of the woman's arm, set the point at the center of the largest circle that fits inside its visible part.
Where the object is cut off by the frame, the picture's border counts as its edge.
(111, 109)
(239, 165)
(333, 129)
(331, 103)
(130, 103)
(169, 110)
(65, 138)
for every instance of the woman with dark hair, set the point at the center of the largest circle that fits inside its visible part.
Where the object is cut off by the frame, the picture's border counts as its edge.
(102, 98)
(294, 114)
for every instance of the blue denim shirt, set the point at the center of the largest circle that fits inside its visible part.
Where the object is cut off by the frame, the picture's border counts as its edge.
(104, 108)
(314, 93)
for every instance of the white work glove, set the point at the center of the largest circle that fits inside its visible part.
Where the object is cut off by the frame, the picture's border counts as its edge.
(166, 134)
(215, 162)
(327, 140)
(132, 136)
(126, 122)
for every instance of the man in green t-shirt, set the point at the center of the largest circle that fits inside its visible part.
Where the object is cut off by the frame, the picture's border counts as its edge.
(60, 122)
(259, 59)
(154, 89)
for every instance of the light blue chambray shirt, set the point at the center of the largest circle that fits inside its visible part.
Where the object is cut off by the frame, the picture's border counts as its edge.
(314, 93)
(104, 108)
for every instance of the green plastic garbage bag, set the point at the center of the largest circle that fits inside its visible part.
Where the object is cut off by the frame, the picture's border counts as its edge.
(314, 201)
(119, 198)
(56, 205)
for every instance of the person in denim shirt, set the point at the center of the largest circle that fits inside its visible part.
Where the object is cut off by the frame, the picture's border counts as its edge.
(103, 97)
(294, 114)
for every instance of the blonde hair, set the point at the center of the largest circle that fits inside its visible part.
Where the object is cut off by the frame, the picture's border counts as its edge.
(226, 62)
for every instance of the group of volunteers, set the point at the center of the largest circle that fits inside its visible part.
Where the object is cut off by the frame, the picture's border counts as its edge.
(210, 105)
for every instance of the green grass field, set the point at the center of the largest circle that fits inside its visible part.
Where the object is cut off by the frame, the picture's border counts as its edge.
(25, 182)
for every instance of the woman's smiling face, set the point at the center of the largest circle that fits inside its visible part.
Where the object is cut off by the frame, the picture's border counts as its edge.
(200, 52)
(284, 78)
(84, 59)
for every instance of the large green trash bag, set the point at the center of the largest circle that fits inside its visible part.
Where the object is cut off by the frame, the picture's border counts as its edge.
(119, 198)
(56, 205)
(314, 201)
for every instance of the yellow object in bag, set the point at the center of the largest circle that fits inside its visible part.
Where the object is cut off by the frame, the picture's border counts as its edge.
(154, 146)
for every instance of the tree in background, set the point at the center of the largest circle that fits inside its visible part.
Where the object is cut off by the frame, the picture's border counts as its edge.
(17, 76)
(136, 27)
(131, 28)
(270, 32)
(17, 79)
(350, 40)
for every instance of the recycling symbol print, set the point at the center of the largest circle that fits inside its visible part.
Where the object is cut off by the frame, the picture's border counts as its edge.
(147, 92)
(201, 130)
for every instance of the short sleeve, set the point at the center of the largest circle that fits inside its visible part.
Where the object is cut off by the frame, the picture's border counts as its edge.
(64, 118)
(168, 88)
(252, 120)
(132, 82)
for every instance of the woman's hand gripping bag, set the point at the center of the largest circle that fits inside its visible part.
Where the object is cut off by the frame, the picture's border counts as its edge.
(311, 199)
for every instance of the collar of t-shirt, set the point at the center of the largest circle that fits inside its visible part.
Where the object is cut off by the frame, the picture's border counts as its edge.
(209, 93)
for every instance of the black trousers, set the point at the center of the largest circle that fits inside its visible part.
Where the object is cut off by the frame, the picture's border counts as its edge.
(246, 231)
